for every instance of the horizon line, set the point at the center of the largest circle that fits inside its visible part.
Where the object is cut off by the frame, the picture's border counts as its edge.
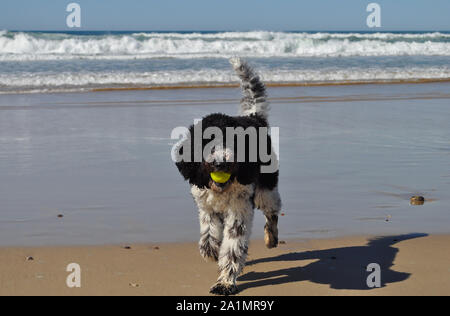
(215, 31)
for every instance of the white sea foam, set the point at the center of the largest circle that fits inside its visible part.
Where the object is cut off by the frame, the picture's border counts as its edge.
(67, 81)
(35, 46)
(57, 62)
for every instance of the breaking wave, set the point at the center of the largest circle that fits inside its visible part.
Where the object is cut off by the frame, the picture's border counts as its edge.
(68, 81)
(29, 46)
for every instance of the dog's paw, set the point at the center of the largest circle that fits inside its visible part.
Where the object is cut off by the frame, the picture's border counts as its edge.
(271, 243)
(271, 237)
(223, 289)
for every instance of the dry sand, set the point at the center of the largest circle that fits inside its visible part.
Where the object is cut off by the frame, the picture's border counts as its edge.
(411, 265)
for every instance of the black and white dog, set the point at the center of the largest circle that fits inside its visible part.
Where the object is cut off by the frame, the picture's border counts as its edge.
(227, 190)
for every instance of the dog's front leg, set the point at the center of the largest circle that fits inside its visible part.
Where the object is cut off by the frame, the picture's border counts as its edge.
(234, 249)
(211, 232)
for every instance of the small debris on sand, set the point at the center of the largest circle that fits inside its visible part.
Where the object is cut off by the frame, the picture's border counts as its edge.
(417, 200)
(156, 248)
(134, 285)
(127, 247)
(282, 242)
(30, 258)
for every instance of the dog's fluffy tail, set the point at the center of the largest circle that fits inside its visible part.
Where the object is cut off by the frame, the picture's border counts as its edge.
(254, 100)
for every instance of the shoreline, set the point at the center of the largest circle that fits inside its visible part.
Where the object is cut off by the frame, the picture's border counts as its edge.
(234, 86)
(411, 264)
(279, 84)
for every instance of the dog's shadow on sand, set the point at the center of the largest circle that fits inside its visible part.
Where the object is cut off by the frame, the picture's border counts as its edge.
(341, 268)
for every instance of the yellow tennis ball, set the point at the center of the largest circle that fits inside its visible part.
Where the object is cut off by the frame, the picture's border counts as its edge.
(220, 177)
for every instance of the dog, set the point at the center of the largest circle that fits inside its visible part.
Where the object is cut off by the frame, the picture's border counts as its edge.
(227, 190)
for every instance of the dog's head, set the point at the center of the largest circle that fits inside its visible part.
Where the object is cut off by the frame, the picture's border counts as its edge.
(218, 171)
(217, 167)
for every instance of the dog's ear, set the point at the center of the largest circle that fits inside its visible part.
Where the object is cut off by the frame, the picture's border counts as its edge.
(187, 169)
(193, 172)
(268, 180)
(190, 170)
(247, 173)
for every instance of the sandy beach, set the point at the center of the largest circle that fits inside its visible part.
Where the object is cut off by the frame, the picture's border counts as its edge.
(414, 264)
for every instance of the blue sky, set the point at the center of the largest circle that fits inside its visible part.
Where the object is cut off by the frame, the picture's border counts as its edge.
(235, 15)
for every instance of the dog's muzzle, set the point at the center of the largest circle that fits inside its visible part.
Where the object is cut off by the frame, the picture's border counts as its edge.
(220, 178)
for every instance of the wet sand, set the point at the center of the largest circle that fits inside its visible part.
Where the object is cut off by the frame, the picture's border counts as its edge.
(414, 264)
(351, 157)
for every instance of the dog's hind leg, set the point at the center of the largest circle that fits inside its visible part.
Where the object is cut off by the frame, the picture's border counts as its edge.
(269, 202)
(233, 251)
(211, 232)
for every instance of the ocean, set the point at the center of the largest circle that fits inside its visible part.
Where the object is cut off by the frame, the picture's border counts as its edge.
(33, 62)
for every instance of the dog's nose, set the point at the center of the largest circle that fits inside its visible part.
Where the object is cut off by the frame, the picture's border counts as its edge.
(219, 164)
